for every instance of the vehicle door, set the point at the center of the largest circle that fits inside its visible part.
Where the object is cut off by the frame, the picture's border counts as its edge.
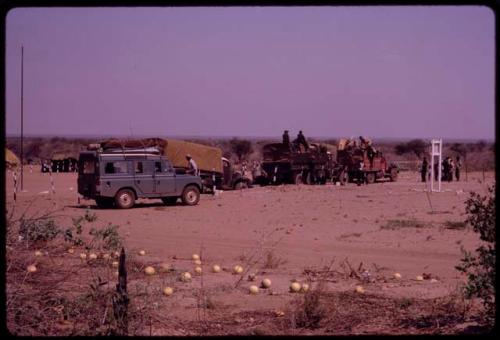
(164, 178)
(144, 176)
(114, 176)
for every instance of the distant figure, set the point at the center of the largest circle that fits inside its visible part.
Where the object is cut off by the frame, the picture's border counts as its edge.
(436, 171)
(193, 168)
(458, 165)
(302, 140)
(423, 170)
(451, 169)
(360, 174)
(286, 139)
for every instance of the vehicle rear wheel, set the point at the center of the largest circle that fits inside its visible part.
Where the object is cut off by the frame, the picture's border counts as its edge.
(104, 202)
(370, 177)
(169, 200)
(190, 195)
(125, 199)
(394, 174)
(241, 185)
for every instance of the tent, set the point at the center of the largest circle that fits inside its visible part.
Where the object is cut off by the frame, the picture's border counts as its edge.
(11, 160)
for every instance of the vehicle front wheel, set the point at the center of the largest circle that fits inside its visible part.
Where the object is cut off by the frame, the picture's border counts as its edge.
(344, 178)
(169, 200)
(394, 174)
(125, 199)
(190, 195)
(241, 185)
(370, 178)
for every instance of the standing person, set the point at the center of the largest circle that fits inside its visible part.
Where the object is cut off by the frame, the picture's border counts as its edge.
(286, 139)
(360, 173)
(445, 169)
(451, 169)
(458, 165)
(423, 170)
(193, 168)
(436, 171)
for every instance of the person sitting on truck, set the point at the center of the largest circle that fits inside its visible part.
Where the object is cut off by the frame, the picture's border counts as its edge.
(301, 139)
(193, 168)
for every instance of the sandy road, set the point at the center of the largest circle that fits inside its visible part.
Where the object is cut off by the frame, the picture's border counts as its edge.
(304, 226)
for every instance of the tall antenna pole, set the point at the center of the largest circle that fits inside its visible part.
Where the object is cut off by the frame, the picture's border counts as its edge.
(22, 97)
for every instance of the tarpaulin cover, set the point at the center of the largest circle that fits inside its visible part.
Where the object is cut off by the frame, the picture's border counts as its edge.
(206, 157)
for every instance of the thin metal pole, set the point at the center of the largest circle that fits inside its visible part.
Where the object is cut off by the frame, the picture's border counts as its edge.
(22, 98)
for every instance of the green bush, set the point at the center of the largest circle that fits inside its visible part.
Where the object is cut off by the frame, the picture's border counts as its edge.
(480, 267)
(38, 229)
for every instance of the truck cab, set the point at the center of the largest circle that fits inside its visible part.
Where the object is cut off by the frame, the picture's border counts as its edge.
(120, 178)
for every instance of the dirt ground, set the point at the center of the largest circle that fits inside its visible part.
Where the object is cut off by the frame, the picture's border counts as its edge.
(283, 233)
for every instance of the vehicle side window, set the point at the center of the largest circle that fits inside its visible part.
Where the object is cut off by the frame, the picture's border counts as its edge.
(168, 167)
(157, 166)
(138, 168)
(119, 167)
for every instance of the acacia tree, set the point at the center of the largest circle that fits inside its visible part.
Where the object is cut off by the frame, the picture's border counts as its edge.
(480, 268)
(417, 146)
(242, 148)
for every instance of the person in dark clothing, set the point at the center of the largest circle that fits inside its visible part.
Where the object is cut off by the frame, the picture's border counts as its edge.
(302, 140)
(446, 169)
(423, 170)
(436, 171)
(371, 154)
(458, 165)
(286, 139)
(360, 174)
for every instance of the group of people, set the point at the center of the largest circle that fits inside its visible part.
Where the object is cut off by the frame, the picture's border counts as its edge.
(297, 142)
(448, 169)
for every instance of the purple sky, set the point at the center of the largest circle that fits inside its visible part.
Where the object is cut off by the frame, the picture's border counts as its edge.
(408, 71)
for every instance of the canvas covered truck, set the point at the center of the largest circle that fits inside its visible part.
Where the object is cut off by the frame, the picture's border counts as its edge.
(375, 166)
(214, 169)
(284, 165)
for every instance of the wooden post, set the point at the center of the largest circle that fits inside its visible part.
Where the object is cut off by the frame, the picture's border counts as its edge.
(120, 298)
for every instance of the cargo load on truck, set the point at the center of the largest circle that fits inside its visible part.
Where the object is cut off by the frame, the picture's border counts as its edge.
(207, 158)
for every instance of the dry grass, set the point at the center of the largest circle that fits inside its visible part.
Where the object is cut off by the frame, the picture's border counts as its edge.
(400, 224)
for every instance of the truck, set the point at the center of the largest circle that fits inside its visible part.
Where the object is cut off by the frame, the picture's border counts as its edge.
(375, 165)
(283, 164)
(118, 177)
(215, 171)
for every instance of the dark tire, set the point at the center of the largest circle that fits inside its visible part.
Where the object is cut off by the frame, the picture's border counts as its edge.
(344, 178)
(169, 200)
(394, 175)
(240, 185)
(125, 199)
(370, 177)
(190, 195)
(297, 179)
(104, 202)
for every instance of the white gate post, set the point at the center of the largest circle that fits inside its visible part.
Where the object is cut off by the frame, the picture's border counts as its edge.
(436, 150)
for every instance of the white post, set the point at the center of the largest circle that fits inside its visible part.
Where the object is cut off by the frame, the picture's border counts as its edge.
(436, 150)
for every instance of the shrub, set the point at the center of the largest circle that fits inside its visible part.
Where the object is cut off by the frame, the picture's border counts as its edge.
(38, 229)
(480, 267)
